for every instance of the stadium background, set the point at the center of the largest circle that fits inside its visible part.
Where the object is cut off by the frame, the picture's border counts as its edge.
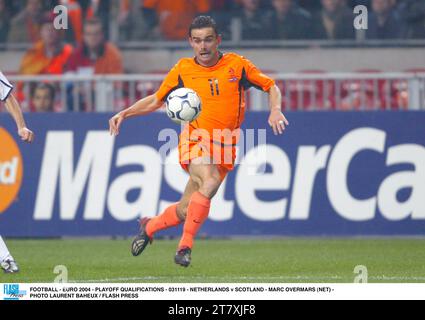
(338, 84)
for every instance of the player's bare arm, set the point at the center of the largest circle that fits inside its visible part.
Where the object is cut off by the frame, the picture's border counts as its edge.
(277, 120)
(141, 107)
(14, 109)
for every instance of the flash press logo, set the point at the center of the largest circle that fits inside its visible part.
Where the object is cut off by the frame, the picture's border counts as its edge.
(12, 292)
(11, 170)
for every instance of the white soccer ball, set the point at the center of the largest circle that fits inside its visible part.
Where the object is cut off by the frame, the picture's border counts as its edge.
(183, 105)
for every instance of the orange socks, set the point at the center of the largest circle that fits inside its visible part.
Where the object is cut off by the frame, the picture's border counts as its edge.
(163, 221)
(197, 213)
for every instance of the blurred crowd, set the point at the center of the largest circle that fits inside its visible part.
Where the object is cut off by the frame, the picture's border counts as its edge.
(87, 53)
(88, 47)
(138, 20)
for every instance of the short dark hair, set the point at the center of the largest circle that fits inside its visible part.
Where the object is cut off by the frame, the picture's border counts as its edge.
(201, 22)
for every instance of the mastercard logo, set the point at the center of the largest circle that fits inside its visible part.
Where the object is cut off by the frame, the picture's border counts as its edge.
(11, 170)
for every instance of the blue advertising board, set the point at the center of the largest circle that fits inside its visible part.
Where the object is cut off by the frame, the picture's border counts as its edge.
(330, 173)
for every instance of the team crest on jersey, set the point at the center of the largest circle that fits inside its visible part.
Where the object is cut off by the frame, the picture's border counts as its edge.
(232, 75)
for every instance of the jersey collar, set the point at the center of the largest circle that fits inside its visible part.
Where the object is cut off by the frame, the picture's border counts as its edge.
(220, 55)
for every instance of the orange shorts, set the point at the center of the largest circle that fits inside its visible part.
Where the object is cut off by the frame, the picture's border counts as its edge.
(222, 155)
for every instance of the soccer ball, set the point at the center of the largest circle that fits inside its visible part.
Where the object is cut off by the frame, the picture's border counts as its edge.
(183, 105)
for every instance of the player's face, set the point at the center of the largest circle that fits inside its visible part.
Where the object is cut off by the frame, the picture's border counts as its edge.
(205, 45)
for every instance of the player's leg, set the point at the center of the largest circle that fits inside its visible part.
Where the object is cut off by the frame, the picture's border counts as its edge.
(182, 205)
(172, 216)
(4, 252)
(7, 262)
(208, 177)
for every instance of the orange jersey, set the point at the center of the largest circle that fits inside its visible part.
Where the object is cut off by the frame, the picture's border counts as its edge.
(220, 87)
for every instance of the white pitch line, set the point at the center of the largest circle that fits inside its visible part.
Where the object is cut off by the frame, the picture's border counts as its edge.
(398, 278)
(205, 279)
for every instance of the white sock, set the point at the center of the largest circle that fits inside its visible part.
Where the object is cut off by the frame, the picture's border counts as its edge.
(4, 252)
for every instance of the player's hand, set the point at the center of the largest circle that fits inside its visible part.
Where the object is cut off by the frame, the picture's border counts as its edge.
(115, 124)
(26, 135)
(277, 121)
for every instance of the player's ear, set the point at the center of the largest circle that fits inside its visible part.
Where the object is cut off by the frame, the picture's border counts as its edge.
(219, 39)
(190, 41)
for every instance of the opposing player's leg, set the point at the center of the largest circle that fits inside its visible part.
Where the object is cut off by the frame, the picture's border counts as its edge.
(7, 263)
(172, 216)
(208, 177)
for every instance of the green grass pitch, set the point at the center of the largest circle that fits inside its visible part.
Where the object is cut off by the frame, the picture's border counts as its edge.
(278, 260)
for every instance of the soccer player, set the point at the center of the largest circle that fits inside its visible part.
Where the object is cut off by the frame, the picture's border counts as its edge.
(220, 79)
(7, 263)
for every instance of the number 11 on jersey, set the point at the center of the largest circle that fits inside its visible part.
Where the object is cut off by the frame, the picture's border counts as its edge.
(214, 85)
